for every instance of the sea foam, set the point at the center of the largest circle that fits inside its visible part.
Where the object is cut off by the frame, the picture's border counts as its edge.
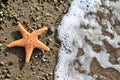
(79, 24)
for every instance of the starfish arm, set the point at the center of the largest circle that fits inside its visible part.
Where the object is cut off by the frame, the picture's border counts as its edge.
(16, 43)
(22, 30)
(28, 49)
(40, 45)
(38, 32)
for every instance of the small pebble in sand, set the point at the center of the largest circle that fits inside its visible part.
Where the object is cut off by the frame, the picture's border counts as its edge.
(10, 63)
(7, 75)
(0, 45)
(1, 63)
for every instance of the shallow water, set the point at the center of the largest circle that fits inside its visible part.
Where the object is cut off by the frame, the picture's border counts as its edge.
(88, 23)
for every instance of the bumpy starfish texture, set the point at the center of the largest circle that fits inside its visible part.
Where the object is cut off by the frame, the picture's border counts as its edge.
(29, 41)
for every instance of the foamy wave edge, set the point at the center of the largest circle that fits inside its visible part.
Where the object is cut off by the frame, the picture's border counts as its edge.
(72, 37)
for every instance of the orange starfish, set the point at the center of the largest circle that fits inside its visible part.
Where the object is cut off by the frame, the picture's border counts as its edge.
(29, 41)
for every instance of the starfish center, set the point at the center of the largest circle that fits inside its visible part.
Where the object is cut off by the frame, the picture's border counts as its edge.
(30, 41)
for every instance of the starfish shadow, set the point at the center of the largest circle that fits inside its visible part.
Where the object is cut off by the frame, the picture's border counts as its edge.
(18, 51)
(37, 53)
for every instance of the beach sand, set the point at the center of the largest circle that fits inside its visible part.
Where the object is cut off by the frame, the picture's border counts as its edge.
(34, 14)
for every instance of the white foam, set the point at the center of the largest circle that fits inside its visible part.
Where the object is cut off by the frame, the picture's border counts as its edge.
(72, 36)
(118, 60)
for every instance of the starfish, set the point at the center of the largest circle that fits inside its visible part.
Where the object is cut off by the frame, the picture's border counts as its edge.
(29, 41)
